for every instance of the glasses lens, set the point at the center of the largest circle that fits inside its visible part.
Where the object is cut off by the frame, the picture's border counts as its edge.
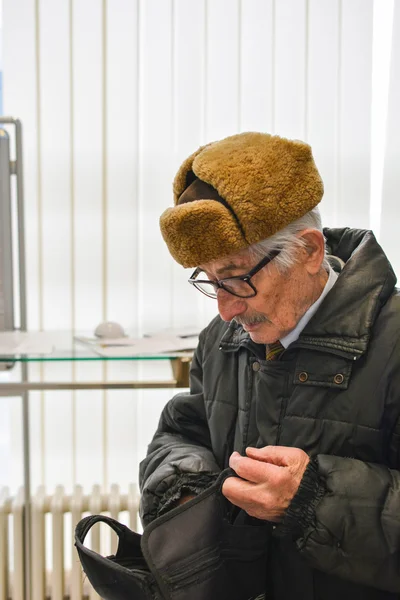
(203, 284)
(238, 287)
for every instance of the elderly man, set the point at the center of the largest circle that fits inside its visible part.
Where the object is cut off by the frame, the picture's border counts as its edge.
(296, 384)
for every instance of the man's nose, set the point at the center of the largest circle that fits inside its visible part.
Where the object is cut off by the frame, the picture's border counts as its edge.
(229, 306)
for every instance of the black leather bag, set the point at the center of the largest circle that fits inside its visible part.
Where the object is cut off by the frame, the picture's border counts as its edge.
(204, 549)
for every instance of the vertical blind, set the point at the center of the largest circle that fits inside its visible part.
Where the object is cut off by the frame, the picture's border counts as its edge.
(113, 95)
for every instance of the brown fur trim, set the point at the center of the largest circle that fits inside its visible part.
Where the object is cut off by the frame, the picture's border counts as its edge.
(199, 231)
(267, 181)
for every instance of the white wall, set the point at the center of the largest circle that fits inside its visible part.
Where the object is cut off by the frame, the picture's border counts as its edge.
(112, 95)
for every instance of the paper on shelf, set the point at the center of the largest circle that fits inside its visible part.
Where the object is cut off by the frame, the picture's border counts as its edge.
(187, 331)
(139, 346)
(13, 343)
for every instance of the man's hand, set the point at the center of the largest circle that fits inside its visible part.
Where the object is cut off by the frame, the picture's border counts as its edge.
(268, 478)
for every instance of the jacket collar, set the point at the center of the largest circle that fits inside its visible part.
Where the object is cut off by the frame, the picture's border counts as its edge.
(342, 325)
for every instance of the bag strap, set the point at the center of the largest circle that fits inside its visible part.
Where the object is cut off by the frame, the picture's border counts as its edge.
(85, 525)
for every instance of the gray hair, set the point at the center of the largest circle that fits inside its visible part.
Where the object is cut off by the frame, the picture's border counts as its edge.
(287, 241)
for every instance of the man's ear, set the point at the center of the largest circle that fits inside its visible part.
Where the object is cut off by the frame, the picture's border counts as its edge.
(314, 250)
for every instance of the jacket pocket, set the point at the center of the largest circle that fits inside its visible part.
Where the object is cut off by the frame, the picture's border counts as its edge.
(322, 370)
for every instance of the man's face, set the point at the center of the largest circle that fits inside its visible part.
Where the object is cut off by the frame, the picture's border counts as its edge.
(281, 300)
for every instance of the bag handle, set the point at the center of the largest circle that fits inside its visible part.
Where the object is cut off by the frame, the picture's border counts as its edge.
(85, 525)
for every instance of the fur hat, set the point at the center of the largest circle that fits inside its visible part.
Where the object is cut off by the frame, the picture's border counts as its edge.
(237, 192)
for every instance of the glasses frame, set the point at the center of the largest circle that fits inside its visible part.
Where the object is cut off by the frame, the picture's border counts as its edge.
(220, 283)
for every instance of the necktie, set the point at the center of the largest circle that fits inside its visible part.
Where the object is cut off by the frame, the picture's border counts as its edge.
(273, 351)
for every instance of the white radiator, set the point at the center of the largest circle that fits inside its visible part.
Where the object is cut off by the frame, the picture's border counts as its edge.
(56, 570)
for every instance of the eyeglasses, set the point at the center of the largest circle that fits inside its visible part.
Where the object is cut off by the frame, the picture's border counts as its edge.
(240, 285)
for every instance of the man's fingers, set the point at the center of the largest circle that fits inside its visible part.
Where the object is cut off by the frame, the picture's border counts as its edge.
(269, 454)
(247, 496)
(252, 470)
(236, 490)
(282, 456)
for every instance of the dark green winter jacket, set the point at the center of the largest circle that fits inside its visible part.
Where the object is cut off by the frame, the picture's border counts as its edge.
(335, 393)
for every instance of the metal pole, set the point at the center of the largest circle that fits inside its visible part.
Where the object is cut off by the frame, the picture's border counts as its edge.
(27, 488)
(17, 170)
(6, 255)
(21, 228)
(24, 366)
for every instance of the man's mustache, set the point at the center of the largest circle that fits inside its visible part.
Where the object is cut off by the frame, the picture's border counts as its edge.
(251, 320)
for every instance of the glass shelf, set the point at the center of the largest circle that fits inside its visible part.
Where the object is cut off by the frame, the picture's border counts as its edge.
(66, 348)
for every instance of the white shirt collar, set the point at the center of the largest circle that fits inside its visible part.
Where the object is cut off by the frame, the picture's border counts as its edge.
(294, 334)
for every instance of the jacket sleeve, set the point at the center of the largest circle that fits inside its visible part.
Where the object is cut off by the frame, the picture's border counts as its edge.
(179, 458)
(345, 518)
